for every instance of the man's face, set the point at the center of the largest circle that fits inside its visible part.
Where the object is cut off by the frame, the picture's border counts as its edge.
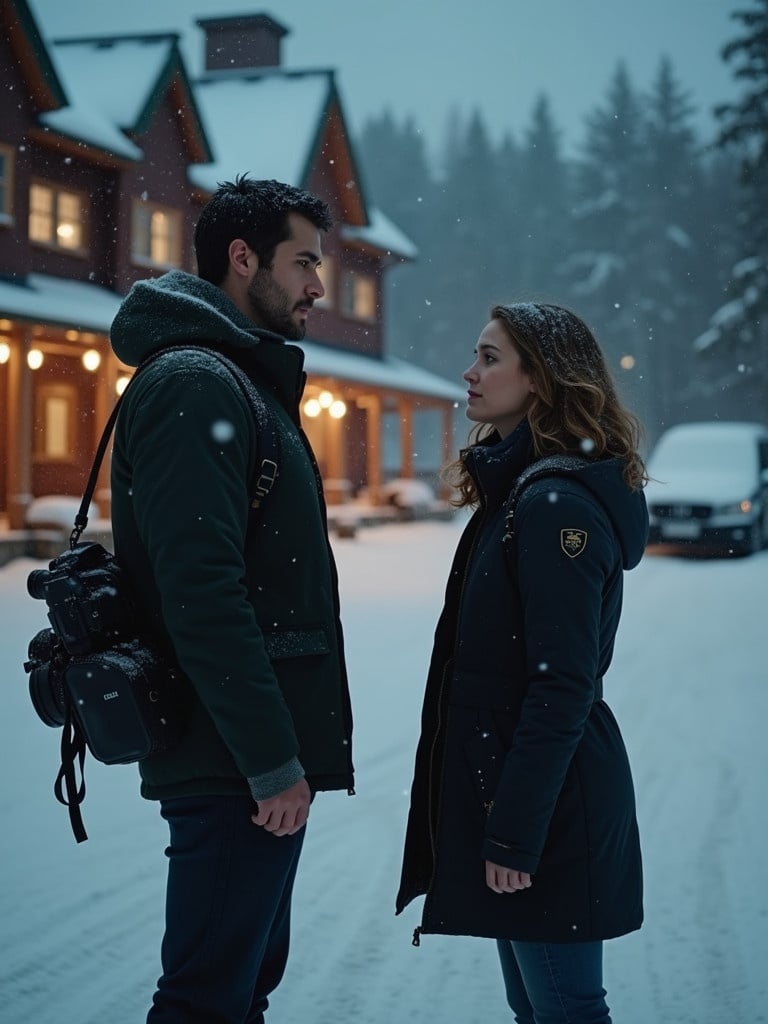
(281, 297)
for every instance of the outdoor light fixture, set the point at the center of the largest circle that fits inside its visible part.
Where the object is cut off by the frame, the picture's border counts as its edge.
(121, 384)
(91, 360)
(324, 401)
(5, 352)
(34, 359)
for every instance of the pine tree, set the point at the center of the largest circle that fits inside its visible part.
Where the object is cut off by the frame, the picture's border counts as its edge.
(542, 208)
(737, 339)
(677, 269)
(608, 223)
(401, 183)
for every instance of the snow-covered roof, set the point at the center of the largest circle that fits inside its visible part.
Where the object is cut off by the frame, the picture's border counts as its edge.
(46, 299)
(382, 234)
(386, 372)
(89, 307)
(263, 123)
(109, 83)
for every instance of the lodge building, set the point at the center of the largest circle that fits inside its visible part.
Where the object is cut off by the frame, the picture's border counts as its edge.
(108, 151)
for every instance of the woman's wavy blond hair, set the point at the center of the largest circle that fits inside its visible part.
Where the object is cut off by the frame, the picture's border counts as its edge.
(574, 409)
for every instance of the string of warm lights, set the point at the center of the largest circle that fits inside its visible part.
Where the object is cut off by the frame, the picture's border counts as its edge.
(325, 400)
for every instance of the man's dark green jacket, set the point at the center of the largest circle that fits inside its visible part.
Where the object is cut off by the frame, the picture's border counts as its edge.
(251, 612)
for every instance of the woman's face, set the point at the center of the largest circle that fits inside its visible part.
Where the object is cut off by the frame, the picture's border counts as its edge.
(499, 391)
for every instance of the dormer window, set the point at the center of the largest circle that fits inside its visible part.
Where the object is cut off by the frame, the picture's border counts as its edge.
(6, 184)
(155, 235)
(358, 296)
(57, 217)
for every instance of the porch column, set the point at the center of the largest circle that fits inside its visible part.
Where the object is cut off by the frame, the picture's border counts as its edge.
(406, 438)
(447, 446)
(19, 432)
(106, 396)
(373, 473)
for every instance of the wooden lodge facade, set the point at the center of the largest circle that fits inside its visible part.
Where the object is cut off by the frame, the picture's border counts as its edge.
(107, 154)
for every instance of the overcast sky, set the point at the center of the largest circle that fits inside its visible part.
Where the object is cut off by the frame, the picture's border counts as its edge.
(421, 57)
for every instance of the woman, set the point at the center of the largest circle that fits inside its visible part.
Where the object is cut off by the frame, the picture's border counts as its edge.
(522, 824)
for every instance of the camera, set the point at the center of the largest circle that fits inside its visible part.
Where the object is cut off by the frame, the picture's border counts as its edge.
(46, 666)
(92, 665)
(85, 591)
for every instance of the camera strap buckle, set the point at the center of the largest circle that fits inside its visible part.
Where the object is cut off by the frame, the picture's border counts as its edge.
(72, 751)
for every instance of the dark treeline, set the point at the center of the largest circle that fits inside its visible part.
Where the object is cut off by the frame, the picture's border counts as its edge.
(639, 233)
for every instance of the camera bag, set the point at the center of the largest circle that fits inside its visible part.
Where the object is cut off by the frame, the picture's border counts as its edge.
(122, 697)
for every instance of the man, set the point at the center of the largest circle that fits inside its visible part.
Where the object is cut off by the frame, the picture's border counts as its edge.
(249, 611)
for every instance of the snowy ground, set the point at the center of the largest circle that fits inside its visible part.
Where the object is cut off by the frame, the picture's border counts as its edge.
(80, 926)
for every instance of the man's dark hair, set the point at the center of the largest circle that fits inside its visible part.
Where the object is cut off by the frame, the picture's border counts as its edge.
(257, 212)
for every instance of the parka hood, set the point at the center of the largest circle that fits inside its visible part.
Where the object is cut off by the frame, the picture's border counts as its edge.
(626, 508)
(604, 479)
(180, 308)
(498, 464)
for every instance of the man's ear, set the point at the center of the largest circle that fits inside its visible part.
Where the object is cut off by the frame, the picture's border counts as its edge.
(242, 259)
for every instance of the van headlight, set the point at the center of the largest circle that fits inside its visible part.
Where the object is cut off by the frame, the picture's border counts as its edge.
(736, 508)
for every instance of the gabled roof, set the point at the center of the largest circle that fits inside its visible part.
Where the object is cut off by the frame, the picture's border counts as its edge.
(263, 122)
(382, 234)
(273, 124)
(116, 84)
(32, 54)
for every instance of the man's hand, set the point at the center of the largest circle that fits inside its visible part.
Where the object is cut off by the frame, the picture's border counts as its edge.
(505, 879)
(286, 813)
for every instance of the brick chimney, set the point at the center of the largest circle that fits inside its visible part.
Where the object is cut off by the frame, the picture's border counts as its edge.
(242, 41)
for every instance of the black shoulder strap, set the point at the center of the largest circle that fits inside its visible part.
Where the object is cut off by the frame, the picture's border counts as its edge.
(267, 436)
(549, 466)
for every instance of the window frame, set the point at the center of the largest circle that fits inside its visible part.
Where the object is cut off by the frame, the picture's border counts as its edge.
(6, 184)
(175, 239)
(56, 189)
(353, 277)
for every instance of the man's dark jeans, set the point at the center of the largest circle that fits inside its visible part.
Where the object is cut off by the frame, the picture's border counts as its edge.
(228, 903)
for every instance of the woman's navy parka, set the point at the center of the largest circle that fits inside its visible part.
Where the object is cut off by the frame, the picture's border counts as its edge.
(520, 761)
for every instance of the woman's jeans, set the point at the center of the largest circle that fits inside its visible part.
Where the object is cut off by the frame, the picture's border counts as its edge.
(554, 982)
(227, 915)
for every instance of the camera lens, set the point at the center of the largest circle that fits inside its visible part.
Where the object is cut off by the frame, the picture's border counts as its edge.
(42, 646)
(37, 581)
(46, 688)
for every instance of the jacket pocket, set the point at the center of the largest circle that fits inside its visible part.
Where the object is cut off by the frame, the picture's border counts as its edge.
(296, 643)
(485, 754)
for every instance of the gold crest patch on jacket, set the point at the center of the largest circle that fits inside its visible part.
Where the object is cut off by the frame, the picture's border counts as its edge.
(573, 542)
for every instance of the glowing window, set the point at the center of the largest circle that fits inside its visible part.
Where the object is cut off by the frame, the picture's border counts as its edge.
(156, 235)
(358, 296)
(56, 217)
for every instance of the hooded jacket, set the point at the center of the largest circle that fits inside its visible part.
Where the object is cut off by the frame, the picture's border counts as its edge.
(520, 760)
(249, 612)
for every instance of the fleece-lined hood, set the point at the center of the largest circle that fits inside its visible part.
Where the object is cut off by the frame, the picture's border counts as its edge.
(180, 308)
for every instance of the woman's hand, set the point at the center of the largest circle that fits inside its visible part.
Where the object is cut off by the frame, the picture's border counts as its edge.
(505, 879)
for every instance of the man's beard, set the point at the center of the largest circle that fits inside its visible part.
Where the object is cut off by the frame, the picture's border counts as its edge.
(272, 308)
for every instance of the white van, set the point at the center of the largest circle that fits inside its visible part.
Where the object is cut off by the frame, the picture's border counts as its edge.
(709, 487)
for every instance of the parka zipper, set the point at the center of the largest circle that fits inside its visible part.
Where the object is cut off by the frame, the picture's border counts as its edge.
(433, 829)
